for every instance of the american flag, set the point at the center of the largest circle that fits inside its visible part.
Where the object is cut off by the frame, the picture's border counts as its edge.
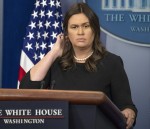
(45, 24)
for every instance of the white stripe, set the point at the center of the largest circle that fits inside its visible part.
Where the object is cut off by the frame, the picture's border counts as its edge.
(18, 84)
(25, 62)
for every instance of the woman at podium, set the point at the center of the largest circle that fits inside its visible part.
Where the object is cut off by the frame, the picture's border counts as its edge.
(79, 61)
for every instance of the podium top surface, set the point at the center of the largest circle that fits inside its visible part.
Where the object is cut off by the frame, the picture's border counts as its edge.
(76, 97)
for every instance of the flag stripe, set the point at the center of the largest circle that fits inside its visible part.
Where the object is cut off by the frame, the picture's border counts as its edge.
(25, 62)
(21, 73)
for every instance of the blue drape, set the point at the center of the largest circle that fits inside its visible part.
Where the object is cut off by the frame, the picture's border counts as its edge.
(16, 17)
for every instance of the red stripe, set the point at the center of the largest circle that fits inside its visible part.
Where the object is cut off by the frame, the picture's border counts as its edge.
(21, 73)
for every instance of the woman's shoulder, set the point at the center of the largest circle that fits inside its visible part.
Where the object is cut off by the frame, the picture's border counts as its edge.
(111, 55)
(112, 58)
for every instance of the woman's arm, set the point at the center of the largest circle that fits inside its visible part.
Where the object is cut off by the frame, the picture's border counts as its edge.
(121, 93)
(39, 71)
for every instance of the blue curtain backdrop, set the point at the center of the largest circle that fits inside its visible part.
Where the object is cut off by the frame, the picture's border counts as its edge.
(16, 17)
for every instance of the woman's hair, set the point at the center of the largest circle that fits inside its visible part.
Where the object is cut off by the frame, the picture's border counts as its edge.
(67, 59)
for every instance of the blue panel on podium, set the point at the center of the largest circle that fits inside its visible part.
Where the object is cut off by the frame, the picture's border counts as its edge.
(34, 115)
(89, 117)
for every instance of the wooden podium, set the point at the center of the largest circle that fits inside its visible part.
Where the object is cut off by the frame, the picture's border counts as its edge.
(87, 109)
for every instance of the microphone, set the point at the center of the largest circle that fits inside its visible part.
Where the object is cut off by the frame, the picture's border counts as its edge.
(42, 84)
(52, 84)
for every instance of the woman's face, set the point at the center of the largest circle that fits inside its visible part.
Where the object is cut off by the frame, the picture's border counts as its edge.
(80, 32)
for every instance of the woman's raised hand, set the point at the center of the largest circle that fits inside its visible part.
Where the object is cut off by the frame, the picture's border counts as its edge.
(59, 45)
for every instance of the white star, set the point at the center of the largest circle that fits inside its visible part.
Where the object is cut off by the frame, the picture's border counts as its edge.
(37, 45)
(30, 35)
(57, 4)
(56, 24)
(43, 45)
(38, 35)
(41, 55)
(61, 15)
(32, 25)
(43, 3)
(47, 24)
(35, 56)
(37, 3)
(51, 45)
(54, 35)
(42, 13)
(29, 46)
(34, 14)
(40, 24)
(45, 35)
(49, 14)
(57, 15)
(51, 3)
